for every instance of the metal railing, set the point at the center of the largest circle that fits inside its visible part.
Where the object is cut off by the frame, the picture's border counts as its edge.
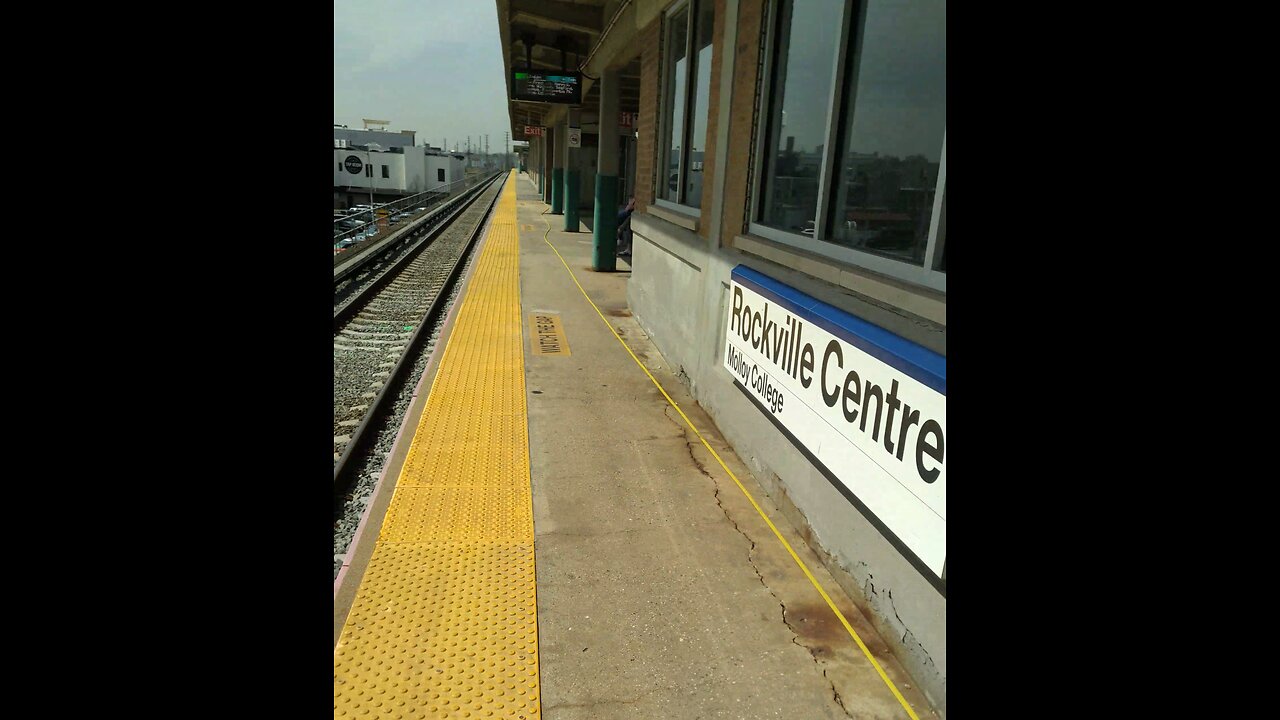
(369, 226)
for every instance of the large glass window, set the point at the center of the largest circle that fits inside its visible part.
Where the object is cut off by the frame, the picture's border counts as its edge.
(687, 91)
(677, 70)
(699, 111)
(807, 36)
(894, 115)
(853, 159)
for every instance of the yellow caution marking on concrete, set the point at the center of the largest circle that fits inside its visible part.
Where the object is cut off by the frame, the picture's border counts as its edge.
(814, 581)
(445, 623)
(547, 333)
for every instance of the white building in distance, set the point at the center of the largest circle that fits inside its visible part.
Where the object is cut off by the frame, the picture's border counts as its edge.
(390, 173)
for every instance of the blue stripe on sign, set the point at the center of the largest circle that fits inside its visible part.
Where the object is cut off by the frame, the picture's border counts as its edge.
(915, 361)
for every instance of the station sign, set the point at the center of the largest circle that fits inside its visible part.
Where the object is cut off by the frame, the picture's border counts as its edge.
(627, 119)
(534, 131)
(867, 408)
(547, 86)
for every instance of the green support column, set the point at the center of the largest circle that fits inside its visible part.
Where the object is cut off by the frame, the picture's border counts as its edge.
(605, 230)
(545, 188)
(571, 181)
(557, 190)
(604, 244)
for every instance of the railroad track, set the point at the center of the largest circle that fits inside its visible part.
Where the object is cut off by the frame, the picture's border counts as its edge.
(362, 269)
(378, 334)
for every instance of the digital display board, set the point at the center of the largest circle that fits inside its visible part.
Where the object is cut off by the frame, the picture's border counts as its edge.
(547, 86)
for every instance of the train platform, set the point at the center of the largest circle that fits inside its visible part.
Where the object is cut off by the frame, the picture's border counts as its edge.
(562, 533)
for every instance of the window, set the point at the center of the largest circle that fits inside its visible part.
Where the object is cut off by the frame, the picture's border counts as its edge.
(687, 83)
(440, 174)
(385, 174)
(339, 167)
(368, 170)
(853, 158)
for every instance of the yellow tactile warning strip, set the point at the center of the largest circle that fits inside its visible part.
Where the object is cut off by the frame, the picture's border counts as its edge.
(547, 335)
(445, 624)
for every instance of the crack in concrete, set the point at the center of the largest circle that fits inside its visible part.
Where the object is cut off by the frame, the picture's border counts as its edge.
(836, 694)
(795, 636)
(907, 631)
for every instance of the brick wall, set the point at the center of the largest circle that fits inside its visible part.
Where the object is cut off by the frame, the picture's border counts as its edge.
(741, 119)
(647, 122)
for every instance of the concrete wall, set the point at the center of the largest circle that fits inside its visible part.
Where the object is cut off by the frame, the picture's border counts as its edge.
(415, 171)
(410, 172)
(679, 293)
(395, 163)
(453, 171)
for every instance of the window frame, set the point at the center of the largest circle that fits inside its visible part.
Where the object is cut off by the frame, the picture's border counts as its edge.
(664, 129)
(923, 275)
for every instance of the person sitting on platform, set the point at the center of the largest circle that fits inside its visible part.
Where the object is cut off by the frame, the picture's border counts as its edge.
(624, 230)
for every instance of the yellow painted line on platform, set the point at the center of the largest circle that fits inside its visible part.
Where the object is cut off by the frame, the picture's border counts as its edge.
(445, 623)
(814, 581)
(547, 335)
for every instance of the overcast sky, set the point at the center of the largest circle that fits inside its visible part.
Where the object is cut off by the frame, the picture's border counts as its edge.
(434, 66)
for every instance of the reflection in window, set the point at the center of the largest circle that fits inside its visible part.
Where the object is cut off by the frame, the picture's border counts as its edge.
(940, 248)
(895, 115)
(676, 63)
(807, 33)
(685, 105)
(699, 111)
(850, 166)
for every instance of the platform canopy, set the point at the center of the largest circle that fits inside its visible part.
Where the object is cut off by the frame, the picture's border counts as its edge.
(568, 36)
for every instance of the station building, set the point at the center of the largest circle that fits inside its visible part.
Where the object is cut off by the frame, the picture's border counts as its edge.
(788, 161)
(388, 171)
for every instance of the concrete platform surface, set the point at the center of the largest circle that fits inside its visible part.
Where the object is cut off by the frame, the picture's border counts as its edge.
(661, 591)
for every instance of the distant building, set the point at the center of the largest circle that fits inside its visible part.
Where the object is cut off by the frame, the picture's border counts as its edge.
(384, 138)
(389, 172)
